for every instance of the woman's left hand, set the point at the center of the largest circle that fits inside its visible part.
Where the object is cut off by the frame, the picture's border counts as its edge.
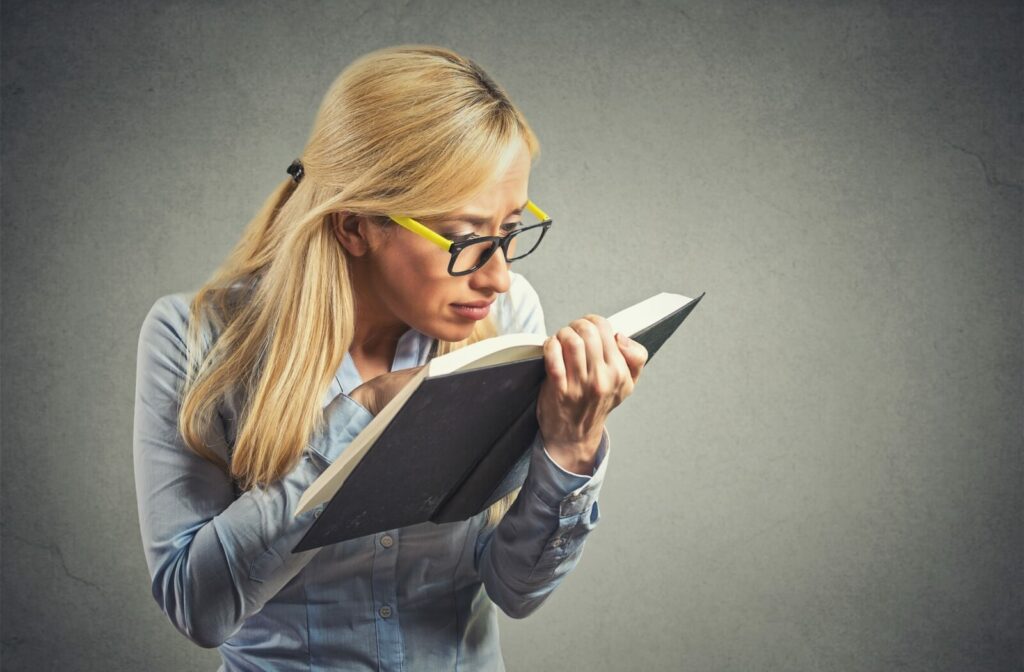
(589, 372)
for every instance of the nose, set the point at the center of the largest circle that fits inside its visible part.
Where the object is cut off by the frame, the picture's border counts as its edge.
(493, 275)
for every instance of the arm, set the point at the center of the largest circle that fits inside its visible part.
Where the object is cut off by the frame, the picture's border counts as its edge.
(214, 560)
(540, 539)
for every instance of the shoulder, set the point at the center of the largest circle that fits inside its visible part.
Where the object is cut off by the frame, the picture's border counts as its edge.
(169, 313)
(165, 326)
(171, 309)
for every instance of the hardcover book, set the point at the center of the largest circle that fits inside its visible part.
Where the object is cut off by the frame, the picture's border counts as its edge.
(456, 438)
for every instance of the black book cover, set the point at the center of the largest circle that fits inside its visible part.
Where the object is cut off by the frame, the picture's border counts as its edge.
(509, 458)
(459, 443)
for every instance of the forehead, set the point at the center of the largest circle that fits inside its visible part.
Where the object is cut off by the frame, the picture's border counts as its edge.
(508, 189)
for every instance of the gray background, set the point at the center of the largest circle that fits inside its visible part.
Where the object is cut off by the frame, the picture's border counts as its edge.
(821, 471)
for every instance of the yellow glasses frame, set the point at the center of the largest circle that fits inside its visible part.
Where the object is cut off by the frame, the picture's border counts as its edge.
(446, 245)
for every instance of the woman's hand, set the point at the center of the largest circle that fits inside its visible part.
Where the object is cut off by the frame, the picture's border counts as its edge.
(590, 371)
(374, 394)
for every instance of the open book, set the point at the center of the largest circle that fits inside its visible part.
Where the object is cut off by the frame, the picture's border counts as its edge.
(456, 438)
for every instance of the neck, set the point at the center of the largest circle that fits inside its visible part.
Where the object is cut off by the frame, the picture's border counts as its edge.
(376, 331)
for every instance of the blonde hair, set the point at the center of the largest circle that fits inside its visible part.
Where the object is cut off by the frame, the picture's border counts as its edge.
(410, 129)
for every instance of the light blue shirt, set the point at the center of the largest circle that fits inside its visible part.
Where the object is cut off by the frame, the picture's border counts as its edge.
(420, 597)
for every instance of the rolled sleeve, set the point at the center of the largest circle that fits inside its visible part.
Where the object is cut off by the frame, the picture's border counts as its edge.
(555, 484)
(540, 539)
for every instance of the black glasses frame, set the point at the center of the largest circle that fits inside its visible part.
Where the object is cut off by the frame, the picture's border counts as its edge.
(495, 242)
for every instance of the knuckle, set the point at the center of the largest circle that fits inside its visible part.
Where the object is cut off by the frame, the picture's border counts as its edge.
(622, 376)
(599, 385)
(585, 327)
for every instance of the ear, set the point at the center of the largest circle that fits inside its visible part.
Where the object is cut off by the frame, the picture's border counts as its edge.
(353, 232)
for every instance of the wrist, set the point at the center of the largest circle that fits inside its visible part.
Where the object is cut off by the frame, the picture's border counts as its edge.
(578, 457)
(573, 465)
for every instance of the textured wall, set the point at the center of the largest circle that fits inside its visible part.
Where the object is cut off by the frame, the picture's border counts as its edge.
(821, 471)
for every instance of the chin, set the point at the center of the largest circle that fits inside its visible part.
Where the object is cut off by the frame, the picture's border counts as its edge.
(453, 332)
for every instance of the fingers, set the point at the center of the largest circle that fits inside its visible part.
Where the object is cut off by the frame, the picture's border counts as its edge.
(634, 353)
(554, 363)
(612, 353)
(593, 348)
(587, 357)
(609, 349)
(574, 355)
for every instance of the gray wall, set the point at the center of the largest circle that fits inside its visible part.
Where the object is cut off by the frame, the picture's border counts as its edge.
(822, 470)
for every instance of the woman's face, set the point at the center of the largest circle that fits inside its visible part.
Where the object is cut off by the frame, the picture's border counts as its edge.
(403, 280)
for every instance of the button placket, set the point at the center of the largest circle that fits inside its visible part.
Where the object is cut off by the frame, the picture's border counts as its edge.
(384, 586)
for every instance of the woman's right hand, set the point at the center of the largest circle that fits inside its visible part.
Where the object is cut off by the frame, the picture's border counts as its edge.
(374, 394)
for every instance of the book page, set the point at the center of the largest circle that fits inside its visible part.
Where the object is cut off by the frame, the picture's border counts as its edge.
(496, 350)
(641, 315)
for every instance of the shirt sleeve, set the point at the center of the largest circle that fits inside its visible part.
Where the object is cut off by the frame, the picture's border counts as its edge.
(540, 539)
(214, 560)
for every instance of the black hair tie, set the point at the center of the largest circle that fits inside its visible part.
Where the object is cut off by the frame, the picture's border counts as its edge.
(296, 171)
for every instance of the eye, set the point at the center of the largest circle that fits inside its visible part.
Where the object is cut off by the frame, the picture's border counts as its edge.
(459, 237)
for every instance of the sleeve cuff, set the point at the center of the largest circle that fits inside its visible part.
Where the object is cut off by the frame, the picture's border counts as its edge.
(345, 418)
(553, 484)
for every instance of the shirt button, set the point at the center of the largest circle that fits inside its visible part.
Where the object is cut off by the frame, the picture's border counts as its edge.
(387, 541)
(385, 611)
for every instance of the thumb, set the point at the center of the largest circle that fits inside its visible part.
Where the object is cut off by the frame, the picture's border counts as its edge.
(633, 352)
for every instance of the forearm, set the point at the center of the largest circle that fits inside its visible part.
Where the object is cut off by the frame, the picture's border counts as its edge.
(239, 560)
(210, 573)
(540, 539)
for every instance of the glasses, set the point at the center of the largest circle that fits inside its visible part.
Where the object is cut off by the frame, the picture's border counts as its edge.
(470, 254)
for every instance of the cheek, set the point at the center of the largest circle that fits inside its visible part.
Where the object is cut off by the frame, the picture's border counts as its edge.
(426, 290)
(422, 274)
(420, 282)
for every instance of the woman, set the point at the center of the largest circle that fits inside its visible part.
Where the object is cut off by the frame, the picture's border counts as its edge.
(339, 290)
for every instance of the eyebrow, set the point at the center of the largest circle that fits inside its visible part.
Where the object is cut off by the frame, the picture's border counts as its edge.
(479, 221)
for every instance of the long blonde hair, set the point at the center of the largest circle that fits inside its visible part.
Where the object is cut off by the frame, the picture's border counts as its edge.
(410, 129)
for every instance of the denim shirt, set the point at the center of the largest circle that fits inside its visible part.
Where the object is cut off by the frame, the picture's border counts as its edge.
(420, 597)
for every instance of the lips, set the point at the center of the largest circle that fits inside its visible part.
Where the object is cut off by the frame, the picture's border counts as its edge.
(475, 304)
(476, 310)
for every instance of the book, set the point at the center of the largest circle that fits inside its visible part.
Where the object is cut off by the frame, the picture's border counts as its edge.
(456, 438)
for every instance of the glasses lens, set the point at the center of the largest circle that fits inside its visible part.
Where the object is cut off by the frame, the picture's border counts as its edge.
(473, 256)
(524, 243)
